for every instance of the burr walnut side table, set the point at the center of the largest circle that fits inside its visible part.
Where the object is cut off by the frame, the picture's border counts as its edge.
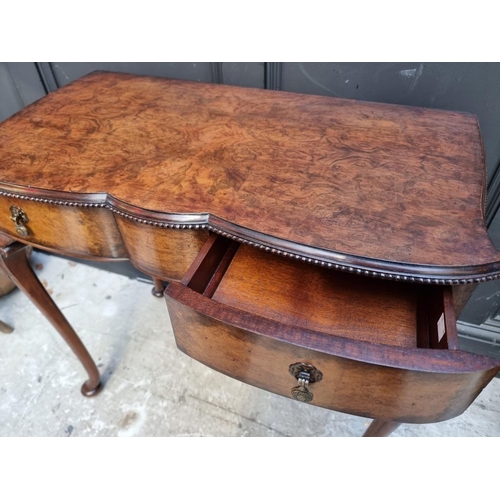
(317, 248)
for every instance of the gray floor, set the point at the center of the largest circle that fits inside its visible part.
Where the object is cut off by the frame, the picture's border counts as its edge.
(152, 389)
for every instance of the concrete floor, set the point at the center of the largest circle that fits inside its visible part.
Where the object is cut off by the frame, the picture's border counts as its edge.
(152, 389)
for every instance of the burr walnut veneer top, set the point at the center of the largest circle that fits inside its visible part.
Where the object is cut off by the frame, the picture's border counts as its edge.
(375, 186)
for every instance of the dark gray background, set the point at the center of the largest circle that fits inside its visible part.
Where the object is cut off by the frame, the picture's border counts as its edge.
(472, 87)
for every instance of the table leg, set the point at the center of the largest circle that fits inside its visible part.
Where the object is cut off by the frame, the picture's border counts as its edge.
(158, 289)
(14, 261)
(4, 328)
(381, 428)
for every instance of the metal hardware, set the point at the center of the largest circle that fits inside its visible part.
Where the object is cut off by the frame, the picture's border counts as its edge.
(19, 217)
(301, 392)
(305, 374)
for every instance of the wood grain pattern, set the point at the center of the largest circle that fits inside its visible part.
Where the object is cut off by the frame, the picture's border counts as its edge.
(121, 166)
(14, 261)
(257, 308)
(72, 231)
(379, 187)
(434, 360)
(251, 315)
(359, 388)
(319, 299)
(159, 252)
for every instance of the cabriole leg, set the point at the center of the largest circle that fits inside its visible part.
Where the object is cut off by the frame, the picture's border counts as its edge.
(4, 328)
(14, 261)
(381, 428)
(157, 290)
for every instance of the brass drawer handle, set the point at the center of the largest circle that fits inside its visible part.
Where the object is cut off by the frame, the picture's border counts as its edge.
(19, 217)
(305, 374)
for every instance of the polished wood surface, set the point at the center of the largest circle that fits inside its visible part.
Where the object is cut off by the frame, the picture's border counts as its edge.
(14, 261)
(370, 187)
(251, 314)
(160, 252)
(278, 213)
(73, 231)
(199, 289)
(320, 299)
(256, 354)
(380, 428)
(436, 360)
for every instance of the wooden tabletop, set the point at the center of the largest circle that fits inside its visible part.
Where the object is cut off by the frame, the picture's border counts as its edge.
(379, 187)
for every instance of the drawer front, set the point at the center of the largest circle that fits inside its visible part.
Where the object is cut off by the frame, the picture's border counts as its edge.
(164, 253)
(349, 386)
(74, 231)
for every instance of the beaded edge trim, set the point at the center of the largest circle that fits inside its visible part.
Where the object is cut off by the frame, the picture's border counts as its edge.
(339, 267)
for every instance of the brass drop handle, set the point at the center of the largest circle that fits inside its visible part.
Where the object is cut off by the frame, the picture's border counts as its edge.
(305, 374)
(19, 217)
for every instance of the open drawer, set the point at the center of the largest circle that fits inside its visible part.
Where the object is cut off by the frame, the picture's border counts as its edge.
(376, 348)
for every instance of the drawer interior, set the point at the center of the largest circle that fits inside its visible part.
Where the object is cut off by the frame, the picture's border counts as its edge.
(311, 297)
